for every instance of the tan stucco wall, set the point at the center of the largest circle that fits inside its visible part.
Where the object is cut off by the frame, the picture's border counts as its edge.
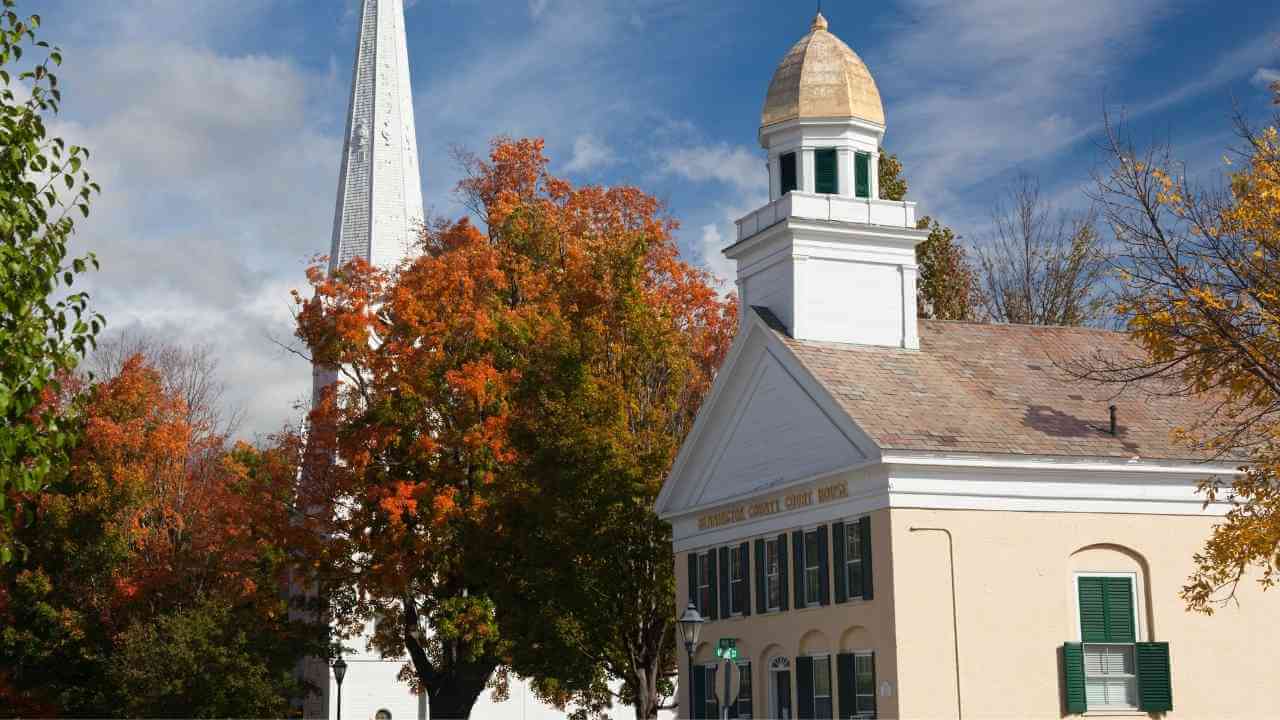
(1014, 577)
(854, 625)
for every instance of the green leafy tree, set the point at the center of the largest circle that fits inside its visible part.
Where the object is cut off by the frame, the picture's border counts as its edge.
(947, 288)
(207, 661)
(44, 326)
(892, 185)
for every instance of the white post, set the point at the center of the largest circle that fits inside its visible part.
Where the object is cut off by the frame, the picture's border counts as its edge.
(808, 183)
(844, 172)
(875, 175)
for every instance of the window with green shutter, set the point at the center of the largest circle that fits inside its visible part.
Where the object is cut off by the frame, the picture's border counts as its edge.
(862, 174)
(787, 173)
(856, 684)
(825, 174)
(1109, 669)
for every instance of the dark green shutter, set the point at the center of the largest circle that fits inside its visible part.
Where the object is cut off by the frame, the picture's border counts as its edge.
(824, 568)
(1106, 609)
(862, 174)
(874, 708)
(787, 168)
(1155, 688)
(797, 572)
(744, 569)
(712, 708)
(864, 538)
(698, 693)
(1118, 596)
(784, 596)
(845, 686)
(824, 171)
(713, 610)
(1093, 618)
(762, 591)
(726, 601)
(693, 579)
(837, 539)
(804, 688)
(1073, 678)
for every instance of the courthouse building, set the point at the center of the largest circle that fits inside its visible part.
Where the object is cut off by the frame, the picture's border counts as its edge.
(908, 518)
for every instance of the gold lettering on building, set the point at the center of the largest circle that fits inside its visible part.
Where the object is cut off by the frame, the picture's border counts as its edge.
(774, 505)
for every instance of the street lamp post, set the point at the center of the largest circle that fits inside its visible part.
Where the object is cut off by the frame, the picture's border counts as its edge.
(690, 624)
(339, 672)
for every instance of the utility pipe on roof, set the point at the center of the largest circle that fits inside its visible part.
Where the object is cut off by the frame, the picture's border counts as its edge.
(955, 625)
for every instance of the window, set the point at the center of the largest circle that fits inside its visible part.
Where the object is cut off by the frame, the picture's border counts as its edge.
(862, 174)
(812, 568)
(1109, 678)
(1109, 669)
(856, 684)
(787, 173)
(1108, 630)
(864, 684)
(822, 687)
(706, 577)
(743, 704)
(853, 560)
(772, 575)
(825, 175)
(737, 580)
(383, 714)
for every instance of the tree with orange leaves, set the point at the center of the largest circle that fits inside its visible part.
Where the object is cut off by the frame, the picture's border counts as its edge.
(146, 562)
(511, 402)
(1199, 291)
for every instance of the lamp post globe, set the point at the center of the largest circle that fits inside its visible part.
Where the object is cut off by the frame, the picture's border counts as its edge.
(339, 672)
(690, 625)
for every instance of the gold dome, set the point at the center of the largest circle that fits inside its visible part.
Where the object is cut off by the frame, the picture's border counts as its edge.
(821, 77)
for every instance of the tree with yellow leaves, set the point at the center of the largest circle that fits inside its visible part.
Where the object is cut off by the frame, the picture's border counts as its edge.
(1200, 294)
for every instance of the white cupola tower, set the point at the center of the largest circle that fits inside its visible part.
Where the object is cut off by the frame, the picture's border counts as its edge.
(826, 255)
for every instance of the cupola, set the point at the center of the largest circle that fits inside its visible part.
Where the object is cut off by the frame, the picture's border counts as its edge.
(827, 255)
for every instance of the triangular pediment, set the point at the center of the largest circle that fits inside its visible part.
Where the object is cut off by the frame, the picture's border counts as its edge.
(767, 423)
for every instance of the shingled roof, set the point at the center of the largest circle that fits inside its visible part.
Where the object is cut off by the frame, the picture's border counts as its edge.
(995, 389)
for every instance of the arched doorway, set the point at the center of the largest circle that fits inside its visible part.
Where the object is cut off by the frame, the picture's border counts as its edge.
(780, 688)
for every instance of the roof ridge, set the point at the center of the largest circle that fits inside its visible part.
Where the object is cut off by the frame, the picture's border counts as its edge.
(978, 323)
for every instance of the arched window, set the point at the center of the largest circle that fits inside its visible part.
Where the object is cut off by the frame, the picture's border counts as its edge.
(383, 714)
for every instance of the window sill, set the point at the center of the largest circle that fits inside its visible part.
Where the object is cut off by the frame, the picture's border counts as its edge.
(1117, 712)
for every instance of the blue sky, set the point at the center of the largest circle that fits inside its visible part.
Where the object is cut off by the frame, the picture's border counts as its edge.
(216, 124)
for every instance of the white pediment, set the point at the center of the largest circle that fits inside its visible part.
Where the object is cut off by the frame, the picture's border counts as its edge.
(768, 423)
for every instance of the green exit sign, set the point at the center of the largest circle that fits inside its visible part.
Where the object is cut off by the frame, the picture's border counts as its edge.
(727, 649)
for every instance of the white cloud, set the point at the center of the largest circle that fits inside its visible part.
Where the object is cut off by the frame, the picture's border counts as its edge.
(590, 153)
(537, 7)
(1264, 77)
(216, 186)
(733, 165)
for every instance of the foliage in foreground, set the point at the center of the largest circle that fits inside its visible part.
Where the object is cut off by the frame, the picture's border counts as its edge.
(153, 560)
(45, 328)
(1200, 293)
(511, 402)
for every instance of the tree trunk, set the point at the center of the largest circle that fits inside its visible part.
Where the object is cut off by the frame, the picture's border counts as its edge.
(452, 698)
(645, 697)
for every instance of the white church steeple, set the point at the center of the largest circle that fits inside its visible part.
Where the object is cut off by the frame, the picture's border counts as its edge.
(379, 207)
(829, 257)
